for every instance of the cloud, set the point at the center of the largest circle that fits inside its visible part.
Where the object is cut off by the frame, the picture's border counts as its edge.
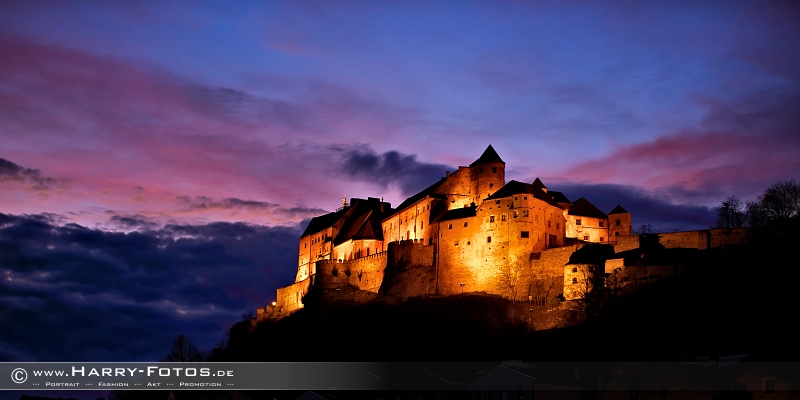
(645, 207)
(390, 169)
(739, 148)
(114, 296)
(13, 172)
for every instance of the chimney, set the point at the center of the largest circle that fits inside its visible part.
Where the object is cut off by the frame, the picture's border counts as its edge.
(447, 175)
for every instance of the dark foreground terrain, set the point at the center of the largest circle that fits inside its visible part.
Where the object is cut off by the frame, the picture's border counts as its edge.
(733, 300)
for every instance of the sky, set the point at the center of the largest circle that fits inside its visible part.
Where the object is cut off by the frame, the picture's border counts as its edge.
(158, 160)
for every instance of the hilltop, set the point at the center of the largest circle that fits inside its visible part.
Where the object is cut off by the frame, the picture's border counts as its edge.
(731, 300)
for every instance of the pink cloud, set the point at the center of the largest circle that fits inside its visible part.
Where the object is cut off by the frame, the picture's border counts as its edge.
(740, 148)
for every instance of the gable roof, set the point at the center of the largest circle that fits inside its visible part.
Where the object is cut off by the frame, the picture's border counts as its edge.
(489, 155)
(359, 228)
(584, 208)
(516, 187)
(419, 196)
(457, 213)
(322, 222)
(558, 197)
(537, 183)
(618, 210)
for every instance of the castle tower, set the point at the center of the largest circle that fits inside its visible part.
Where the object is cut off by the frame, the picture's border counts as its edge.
(619, 223)
(487, 175)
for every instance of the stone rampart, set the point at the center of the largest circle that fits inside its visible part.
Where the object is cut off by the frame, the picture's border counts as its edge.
(365, 273)
(685, 240)
(626, 242)
(729, 237)
(410, 271)
(290, 298)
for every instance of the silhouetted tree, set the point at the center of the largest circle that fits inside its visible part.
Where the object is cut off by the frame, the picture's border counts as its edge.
(781, 201)
(755, 213)
(184, 350)
(731, 213)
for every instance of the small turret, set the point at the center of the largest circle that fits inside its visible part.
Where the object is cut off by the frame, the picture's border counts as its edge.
(344, 201)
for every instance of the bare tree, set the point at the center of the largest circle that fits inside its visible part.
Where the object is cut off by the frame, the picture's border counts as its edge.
(184, 350)
(755, 213)
(509, 278)
(731, 213)
(781, 201)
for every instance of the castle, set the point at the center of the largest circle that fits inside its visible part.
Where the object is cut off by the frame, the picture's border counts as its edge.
(470, 231)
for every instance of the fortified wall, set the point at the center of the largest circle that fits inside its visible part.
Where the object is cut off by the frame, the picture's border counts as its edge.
(704, 239)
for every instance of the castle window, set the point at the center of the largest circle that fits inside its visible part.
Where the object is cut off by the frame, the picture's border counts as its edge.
(488, 239)
(516, 198)
(465, 224)
(497, 202)
(524, 213)
(491, 185)
(556, 225)
(585, 237)
(525, 198)
(481, 170)
(574, 280)
(536, 217)
(491, 218)
(616, 223)
(449, 226)
(494, 170)
(516, 214)
(602, 239)
(616, 233)
(503, 217)
(525, 234)
(456, 243)
(602, 223)
(578, 221)
(574, 269)
(420, 225)
(548, 224)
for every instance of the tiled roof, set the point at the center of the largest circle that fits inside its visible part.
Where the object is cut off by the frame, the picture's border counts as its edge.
(516, 187)
(584, 208)
(458, 213)
(618, 210)
(489, 155)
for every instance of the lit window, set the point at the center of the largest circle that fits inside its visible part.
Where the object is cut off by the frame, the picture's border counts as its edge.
(516, 214)
(578, 221)
(525, 234)
(503, 217)
(491, 218)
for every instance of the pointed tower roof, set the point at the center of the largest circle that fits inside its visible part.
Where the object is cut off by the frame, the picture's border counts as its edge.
(618, 210)
(489, 155)
(583, 207)
(538, 184)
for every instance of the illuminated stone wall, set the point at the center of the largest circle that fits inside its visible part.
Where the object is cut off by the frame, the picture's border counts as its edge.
(587, 228)
(578, 278)
(619, 225)
(290, 298)
(685, 240)
(364, 273)
(353, 249)
(625, 243)
(729, 237)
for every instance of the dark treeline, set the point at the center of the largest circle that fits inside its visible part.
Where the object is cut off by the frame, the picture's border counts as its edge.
(778, 203)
